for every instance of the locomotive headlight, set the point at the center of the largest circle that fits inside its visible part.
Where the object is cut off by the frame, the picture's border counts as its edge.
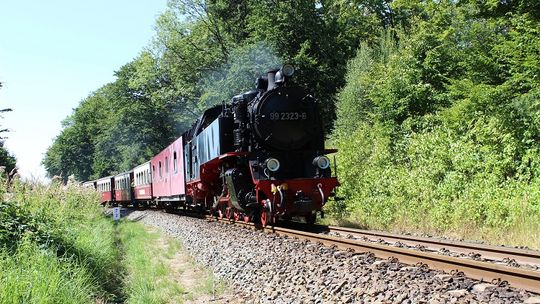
(322, 162)
(287, 70)
(272, 164)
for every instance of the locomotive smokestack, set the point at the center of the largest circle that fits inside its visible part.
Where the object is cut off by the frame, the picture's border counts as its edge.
(271, 79)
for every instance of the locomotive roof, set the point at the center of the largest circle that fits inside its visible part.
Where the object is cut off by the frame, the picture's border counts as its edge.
(210, 114)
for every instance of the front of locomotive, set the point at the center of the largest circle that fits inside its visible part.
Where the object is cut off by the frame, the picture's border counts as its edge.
(288, 161)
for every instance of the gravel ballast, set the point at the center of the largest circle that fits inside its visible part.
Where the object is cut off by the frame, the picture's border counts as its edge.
(268, 268)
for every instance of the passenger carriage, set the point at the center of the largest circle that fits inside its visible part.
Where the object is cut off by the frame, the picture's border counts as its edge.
(142, 184)
(122, 188)
(105, 186)
(168, 183)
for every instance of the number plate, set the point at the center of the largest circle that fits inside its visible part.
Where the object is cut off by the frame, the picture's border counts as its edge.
(288, 116)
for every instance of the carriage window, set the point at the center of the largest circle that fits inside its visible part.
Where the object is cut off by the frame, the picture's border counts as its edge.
(175, 163)
(166, 165)
(159, 168)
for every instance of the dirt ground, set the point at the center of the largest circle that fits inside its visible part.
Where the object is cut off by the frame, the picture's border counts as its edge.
(198, 283)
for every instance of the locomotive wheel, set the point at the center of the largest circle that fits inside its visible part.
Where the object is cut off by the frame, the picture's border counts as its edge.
(246, 218)
(229, 214)
(236, 216)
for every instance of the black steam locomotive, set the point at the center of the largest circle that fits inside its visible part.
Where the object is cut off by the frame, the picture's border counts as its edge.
(262, 156)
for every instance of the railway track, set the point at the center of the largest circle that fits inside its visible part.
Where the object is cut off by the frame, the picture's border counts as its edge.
(485, 271)
(503, 255)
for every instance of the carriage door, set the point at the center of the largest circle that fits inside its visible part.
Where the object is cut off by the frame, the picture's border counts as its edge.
(187, 161)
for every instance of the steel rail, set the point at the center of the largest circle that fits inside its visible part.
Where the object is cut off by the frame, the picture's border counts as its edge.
(520, 256)
(484, 271)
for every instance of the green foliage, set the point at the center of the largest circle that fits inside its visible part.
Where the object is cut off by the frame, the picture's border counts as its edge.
(31, 275)
(203, 53)
(6, 159)
(437, 112)
(443, 113)
(55, 246)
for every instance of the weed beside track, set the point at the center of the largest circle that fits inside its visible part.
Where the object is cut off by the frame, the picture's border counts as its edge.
(58, 246)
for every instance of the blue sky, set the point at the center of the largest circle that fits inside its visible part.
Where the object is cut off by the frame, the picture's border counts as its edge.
(53, 54)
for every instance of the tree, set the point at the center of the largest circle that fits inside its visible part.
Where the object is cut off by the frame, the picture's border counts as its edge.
(439, 119)
(6, 159)
(203, 53)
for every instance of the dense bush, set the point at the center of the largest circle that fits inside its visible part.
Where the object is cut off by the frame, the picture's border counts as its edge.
(438, 125)
(55, 245)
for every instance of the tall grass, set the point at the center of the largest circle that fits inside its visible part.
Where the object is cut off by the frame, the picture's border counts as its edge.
(34, 275)
(56, 246)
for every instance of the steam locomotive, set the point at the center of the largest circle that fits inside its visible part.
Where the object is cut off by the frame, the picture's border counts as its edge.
(260, 157)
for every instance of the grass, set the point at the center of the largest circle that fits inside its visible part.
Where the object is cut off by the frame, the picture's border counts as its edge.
(158, 270)
(57, 246)
(149, 277)
(32, 275)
